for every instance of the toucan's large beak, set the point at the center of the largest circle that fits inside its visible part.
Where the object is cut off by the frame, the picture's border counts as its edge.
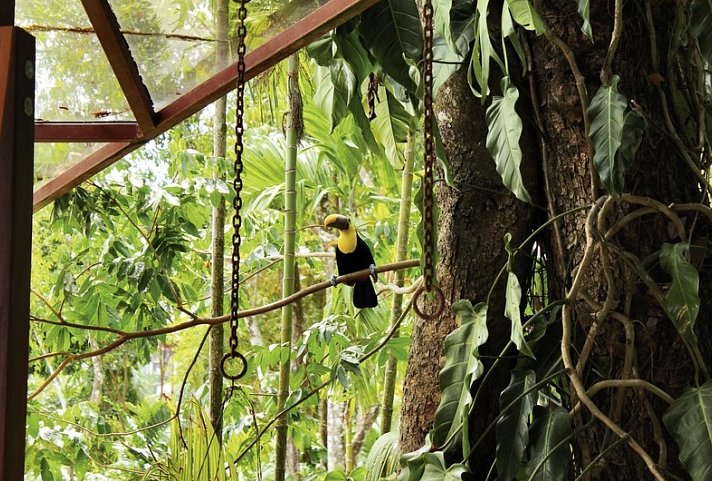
(337, 220)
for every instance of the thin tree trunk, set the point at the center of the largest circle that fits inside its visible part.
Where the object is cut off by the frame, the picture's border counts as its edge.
(217, 277)
(290, 198)
(324, 427)
(297, 330)
(97, 384)
(335, 435)
(349, 409)
(365, 422)
(389, 384)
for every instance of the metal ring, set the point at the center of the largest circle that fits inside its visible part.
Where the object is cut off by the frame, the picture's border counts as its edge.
(439, 305)
(230, 355)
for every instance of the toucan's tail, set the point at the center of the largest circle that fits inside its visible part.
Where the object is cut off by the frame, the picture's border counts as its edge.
(364, 294)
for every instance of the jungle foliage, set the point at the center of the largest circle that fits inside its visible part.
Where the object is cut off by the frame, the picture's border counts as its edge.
(121, 277)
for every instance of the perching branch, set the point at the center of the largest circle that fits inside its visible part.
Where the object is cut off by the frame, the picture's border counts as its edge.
(125, 336)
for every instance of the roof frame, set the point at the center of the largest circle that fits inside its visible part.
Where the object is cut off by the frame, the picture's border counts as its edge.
(125, 137)
(123, 64)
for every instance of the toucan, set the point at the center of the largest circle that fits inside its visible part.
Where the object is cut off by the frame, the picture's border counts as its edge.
(353, 254)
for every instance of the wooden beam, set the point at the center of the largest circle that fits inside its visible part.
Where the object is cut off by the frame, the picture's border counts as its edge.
(17, 89)
(122, 62)
(301, 33)
(86, 131)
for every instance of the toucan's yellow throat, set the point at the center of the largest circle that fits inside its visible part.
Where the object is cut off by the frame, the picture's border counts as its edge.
(346, 242)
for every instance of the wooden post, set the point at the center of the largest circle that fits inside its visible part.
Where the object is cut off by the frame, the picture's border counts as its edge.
(17, 90)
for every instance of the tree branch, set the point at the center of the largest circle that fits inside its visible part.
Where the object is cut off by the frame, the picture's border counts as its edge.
(196, 321)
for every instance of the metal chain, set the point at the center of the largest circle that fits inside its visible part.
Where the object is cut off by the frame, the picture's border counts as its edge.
(237, 200)
(428, 270)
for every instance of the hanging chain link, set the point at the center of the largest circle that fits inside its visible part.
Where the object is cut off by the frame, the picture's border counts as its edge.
(428, 270)
(237, 200)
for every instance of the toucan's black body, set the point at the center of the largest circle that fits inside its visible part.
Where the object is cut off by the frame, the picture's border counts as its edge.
(352, 255)
(361, 258)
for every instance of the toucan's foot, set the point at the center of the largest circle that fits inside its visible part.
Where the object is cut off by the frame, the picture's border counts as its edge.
(372, 268)
(333, 280)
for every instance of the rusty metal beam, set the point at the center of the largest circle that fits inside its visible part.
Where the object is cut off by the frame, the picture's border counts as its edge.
(301, 33)
(87, 132)
(117, 51)
(17, 90)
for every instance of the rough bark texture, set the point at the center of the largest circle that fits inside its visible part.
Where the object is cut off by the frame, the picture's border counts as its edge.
(659, 173)
(474, 217)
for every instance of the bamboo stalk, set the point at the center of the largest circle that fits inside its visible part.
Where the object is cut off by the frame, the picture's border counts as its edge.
(290, 214)
(389, 384)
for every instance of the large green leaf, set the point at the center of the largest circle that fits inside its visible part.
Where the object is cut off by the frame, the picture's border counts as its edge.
(504, 130)
(391, 126)
(682, 300)
(689, 420)
(511, 431)
(391, 30)
(512, 306)
(606, 114)
(482, 53)
(633, 129)
(513, 301)
(510, 32)
(336, 86)
(584, 10)
(448, 57)
(462, 368)
(322, 50)
(549, 454)
(382, 460)
(413, 463)
(436, 469)
(700, 26)
(441, 21)
(525, 15)
(364, 125)
(344, 47)
(349, 47)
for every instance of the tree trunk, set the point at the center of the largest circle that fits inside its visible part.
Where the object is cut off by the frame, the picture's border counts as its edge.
(634, 339)
(217, 251)
(474, 217)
